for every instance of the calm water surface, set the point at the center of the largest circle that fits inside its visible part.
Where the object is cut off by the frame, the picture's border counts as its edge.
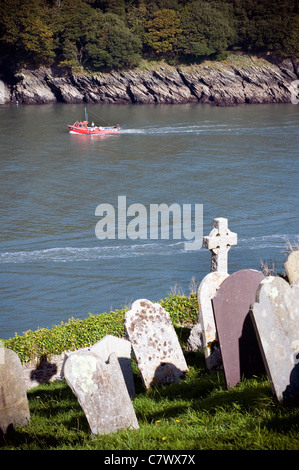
(240, 163)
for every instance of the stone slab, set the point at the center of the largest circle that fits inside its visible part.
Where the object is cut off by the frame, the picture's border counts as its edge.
(292, 267)
(275, 316)
(155, 344)
(106, 346)
(195, 341)
(101, 391)
(122, 348)
(206, 291)
(14, 409)
(239, 347)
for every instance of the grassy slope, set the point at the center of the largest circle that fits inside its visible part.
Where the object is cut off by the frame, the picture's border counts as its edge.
(198, 413)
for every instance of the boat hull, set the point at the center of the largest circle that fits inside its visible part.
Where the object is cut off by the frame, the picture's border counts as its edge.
(93, 130)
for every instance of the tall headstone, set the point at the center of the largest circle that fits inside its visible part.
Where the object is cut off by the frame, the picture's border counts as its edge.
(206, 291)
(101, 391)
(155, 344)
(219, 242)
(275, 316)
(292, 267)
(14, 409)
(240, 352)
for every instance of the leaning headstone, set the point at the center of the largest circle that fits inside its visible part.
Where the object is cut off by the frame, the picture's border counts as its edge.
(206, 291)
(14, 409)
(292, 267)
(101, 391)
(106, 346)
(122, 348)
(219, 242)
(275, 316)
(155, 344)
(238, 344)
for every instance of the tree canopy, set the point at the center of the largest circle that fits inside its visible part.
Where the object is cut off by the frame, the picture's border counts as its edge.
(116, 34)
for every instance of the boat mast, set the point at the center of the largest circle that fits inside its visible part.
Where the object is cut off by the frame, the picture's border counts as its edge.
(86, 118)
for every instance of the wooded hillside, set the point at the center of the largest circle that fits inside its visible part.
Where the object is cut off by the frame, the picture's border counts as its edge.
(101, 35)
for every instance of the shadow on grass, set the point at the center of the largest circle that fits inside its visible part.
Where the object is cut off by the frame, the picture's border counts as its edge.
(57, 419)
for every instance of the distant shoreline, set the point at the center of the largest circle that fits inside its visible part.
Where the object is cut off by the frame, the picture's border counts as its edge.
(238, 80)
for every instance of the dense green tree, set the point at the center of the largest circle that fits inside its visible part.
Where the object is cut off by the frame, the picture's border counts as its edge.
(72, 21)
(266, 25)
(106, 34)
(164, 31)
(117, 7)
(113, 45)
(137, 17)
(25, 29)
(206, 30)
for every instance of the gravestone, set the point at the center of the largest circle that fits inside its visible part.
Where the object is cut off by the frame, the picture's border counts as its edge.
(275, 316)
(155, 344)
(238, 344)
(14, 409)
(101, 391)
(219, 242)
(195, 340)
(122, 348)
(206, 291)
(292, 267)
(106, 346)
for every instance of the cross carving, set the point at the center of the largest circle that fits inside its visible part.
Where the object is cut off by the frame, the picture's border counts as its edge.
(219, 242)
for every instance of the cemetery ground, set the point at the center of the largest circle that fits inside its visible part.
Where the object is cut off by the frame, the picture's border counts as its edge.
(198, 413)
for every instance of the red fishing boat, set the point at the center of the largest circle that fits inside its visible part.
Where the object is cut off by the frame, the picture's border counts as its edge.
(82, 127)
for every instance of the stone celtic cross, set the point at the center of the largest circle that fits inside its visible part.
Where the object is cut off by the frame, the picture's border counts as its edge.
(219, 242)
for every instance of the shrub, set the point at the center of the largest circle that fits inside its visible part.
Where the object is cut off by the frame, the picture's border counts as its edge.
(76, 333)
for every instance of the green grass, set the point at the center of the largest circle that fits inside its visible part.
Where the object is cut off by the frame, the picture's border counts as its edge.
(196, 414)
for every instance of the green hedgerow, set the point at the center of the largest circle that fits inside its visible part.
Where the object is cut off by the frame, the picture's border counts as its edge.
(75, 333)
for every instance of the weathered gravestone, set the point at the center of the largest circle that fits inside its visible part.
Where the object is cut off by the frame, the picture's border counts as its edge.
(101, 391)
(155, 344)
(195, 340)
(275, 316)
(106, 346)
(206, 291)
(240, 352)
(14, 409)
(292, 267)
(122, 348)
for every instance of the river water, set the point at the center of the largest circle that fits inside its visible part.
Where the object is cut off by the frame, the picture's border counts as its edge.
(240, 163)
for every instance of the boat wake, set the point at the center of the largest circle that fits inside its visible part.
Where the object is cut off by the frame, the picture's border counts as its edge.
(167, 130)
(71, 254)
(151, 248)
(207, 127)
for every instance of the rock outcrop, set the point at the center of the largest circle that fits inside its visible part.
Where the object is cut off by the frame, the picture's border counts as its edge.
(240, 79)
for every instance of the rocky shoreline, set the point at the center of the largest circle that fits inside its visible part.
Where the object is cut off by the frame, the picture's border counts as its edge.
(238, 80)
